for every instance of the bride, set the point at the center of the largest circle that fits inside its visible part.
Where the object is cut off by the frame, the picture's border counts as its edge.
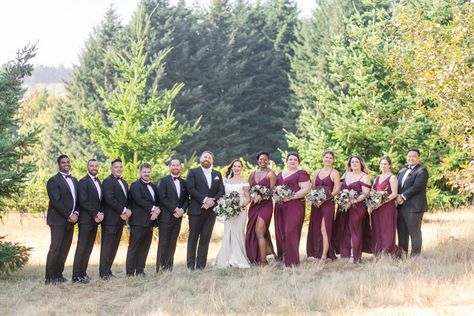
(232, 251)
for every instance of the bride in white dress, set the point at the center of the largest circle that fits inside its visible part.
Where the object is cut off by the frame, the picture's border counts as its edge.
(232, 252)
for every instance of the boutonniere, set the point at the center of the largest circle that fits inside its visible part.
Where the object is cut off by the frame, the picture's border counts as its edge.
(216, 178)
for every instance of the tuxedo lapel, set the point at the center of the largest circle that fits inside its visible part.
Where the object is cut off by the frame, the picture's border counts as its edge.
(204, 177)
(214, 181)
(92, 185)
(171, 183)
(147, 192)
(64, 182)
(410, 176)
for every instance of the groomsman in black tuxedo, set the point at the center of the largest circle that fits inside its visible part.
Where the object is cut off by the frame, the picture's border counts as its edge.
(90, 215)
(116, 212)
(412, 202)
(174, 201)
(145, 211)
(205, 187)
(61, 217)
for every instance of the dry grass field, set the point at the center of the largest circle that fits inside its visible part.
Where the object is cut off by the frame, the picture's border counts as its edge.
(440, 282)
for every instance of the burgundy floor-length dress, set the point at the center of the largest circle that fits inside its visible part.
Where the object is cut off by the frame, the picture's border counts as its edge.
(384, 223)
(289, 217)
(352, 228)
(314, 242)
(264, 210)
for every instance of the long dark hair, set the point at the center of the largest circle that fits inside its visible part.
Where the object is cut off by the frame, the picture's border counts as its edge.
(363, 166)
(229, 174)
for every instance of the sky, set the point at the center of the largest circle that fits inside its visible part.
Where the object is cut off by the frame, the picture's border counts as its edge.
(62, 26)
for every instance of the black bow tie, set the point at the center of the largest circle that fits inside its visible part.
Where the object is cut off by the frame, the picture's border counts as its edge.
(145, 182)
(118, 178)
(176, 178)
(410, 168)
(66, 176)
(95, 179)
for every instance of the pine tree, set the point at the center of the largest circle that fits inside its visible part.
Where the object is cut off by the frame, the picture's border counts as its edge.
(95, 70)
(362, 107)
(14, 146)
(140, 124)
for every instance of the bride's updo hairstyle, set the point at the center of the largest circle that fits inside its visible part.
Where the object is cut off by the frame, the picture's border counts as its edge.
(229, 174)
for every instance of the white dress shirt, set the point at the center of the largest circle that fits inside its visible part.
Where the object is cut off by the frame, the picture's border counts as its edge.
(177, 185)
(69, 182)
(123, 187)
(97, 186)
(405, 176)
(150, 189)
(208, 175)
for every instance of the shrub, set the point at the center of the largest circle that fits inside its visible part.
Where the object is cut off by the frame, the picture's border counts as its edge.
(13, 257)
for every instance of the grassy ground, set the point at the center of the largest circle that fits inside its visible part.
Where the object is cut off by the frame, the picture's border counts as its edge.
(439, 282)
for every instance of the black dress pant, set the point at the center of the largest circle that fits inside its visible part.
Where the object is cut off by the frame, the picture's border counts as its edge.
(138, 247)
(409, 226)
(110, 241)
(85, 244)
(168, 233)
(61, 239)
(200, 232)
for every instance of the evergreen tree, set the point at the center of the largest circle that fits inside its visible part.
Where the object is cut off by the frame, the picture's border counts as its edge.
(14, 146)
(139, 126)
(313, 40)
(361, 107)
(95, 71)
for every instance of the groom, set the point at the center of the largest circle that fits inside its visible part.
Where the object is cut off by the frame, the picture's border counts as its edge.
(205, 187)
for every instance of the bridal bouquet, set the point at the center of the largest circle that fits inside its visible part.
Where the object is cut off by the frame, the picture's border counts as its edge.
(280, 192)
(317, 196)
(229, 205)
(260, 190)
(343, 199)
(375, 198)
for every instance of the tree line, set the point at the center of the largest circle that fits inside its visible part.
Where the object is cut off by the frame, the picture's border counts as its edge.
(358, 77)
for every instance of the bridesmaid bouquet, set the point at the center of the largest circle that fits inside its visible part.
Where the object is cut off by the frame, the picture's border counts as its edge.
(317, 196)
(343, 199)
(260, 190)
(375, 198)
(229, 205)
(280, 192)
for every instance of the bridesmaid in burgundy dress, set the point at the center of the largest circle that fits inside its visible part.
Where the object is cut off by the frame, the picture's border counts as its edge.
(384, 216)
(289, 215)
(258, 242)
(321, 222)
(352, 227)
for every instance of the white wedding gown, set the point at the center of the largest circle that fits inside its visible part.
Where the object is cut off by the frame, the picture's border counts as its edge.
(232, 252)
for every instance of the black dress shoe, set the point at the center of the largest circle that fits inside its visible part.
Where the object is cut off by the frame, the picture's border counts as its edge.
(61, 279)
(81, 280)
(141, 274)
(105, 277)
(87, 277)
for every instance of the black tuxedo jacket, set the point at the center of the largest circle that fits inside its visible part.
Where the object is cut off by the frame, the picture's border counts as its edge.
(114, 200)
(196, 184)
(89, 200)
(61, 201)
(142, 203)
(169, 200)
(414, 189)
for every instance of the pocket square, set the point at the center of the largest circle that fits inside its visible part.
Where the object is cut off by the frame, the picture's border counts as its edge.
(216, 178)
